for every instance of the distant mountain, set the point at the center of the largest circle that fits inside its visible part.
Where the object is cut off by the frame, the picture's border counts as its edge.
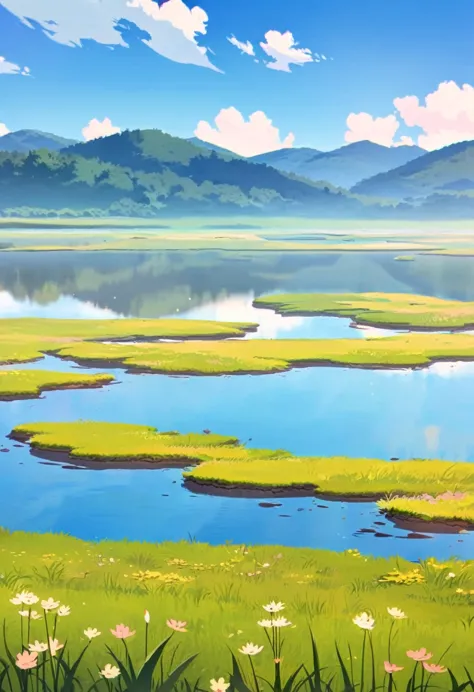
(447, 169)
(212, 147)
(342, 167)
(29, 140)
(150, 173)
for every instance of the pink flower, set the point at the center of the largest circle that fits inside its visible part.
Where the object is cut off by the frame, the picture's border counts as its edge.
(434, 668)
(420, 655)
(27, 660)
(122, 632)
(177, 625)
(391, 667)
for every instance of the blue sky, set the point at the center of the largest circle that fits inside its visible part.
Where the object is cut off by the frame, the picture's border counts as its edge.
(376, 51)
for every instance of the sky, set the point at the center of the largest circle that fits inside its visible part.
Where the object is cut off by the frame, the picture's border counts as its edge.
(249, 75)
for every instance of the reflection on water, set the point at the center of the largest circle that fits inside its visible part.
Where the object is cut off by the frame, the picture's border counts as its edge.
(317, 411)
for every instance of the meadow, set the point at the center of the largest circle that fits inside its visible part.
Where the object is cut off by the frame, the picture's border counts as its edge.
(211, 599)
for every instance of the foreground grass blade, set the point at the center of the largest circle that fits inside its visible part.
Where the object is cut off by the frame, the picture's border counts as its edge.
(173, 677)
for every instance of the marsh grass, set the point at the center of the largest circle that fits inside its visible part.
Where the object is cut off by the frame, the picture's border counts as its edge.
(31, 383)
(377, 309)
(221, 460)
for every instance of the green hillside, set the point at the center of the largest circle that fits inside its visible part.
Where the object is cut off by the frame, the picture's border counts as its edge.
(449, 170)
(147, 172)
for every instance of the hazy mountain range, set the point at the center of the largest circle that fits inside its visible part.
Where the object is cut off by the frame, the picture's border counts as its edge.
(150, 173)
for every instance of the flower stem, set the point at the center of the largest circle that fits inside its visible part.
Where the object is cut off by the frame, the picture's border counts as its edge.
(390, 641)
(254, 675)
(49, 644)
(362, 665)
(373, 661)
(146, 640)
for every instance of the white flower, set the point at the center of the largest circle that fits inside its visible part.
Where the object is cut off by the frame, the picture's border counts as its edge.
(32, 614)
(396, 613)
(274, 607)
(92, 632)
(24, 598)
(49, 604)
(63, 611)
(147, 617)
(251, 649)
(110, 672)
(281, 622)
(265, 623)
(54, 646)
(219, 685)
(364, 621)
(450, 575)
(38, 647)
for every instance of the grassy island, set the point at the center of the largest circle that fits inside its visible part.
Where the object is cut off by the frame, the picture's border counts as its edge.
(26, 384)
(27, 339)
(223, 463)
(260, 356)
(219, 592)
(392, 310)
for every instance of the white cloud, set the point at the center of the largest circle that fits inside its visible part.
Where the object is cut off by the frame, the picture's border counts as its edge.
(257, 135)
(246, 47)
(364, 127)
(405, 142)
(173, 27)
(3, 130)
(284, 51)
(99, 128)
(7, 67)
(447, 116)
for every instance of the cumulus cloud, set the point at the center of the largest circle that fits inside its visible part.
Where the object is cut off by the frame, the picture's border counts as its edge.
(173, 28)
(246, 47)
(99, 128)
(447, 116)
(257, 135)
(284, 51)
(363, 126)
(3, 130)
(7, 67)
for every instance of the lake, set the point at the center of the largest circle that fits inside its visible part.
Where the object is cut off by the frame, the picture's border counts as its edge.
(317, 411)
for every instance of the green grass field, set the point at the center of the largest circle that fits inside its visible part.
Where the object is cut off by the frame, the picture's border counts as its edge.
(220, 591)
(397, 310)
(224, 462)
(19, 384)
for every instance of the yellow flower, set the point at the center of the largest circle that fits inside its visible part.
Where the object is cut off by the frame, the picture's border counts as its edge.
(364, 621)
(396, 613)
(110, 672)
(251, 649)
(219, 685)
